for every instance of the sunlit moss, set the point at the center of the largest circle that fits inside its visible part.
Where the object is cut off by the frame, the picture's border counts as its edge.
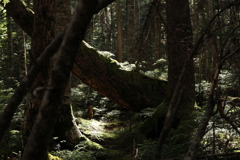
(51, 157)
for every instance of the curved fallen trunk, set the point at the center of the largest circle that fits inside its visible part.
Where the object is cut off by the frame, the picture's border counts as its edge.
(130, 89)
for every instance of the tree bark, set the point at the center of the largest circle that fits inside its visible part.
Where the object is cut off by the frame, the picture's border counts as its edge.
(43, 34)
(180, 76)
(22, 54)
(130, 41)
(66, 127)
(119, 32)
(10, 46)
(157, 32)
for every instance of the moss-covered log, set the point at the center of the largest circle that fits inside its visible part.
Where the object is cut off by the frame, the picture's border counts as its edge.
(131, 89)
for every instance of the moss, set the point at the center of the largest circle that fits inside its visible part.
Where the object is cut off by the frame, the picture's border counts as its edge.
(87, 143)
(153, 125)
(99, 130)
(151, 90)
(106, 135)
(93, 145)
(130, 138)
(51, 157)
(14, 132)
(233, 99)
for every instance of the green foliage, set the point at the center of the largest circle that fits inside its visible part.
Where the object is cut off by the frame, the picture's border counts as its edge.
(74, 155)
(145, 113)
(11, 143)
(160, 69)
(83, 93)
(127, 66)
(77, 154)
(146, 150)
(5, 95)
(4, 2)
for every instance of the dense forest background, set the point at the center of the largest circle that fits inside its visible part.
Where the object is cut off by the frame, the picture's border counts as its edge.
(149, 72)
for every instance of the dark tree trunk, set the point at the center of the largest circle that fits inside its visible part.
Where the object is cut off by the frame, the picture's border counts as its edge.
(43, 34)
(119, 32)
(66, 127)
(22, 54)
(179, 44)
(10, 46)
(180, 76)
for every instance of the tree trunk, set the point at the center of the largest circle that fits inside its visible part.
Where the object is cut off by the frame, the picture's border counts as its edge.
(22, 54)
(157, 33)
(119, 32)
(129, 30)
(42, 35)
(10, 46)
(180, 87)
(136, 14)
(66, 127)
(113, 29)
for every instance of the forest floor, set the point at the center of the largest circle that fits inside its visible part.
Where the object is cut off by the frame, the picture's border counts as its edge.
(111, 134)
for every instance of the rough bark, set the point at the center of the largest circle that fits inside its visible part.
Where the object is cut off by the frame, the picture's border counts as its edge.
(43, 22)
(10, 46)
(179, 40)
(157, 32)
(129, 30)
(22, 54)
(180, 76)
(43, 127)
(66, 127)
(119, 32)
